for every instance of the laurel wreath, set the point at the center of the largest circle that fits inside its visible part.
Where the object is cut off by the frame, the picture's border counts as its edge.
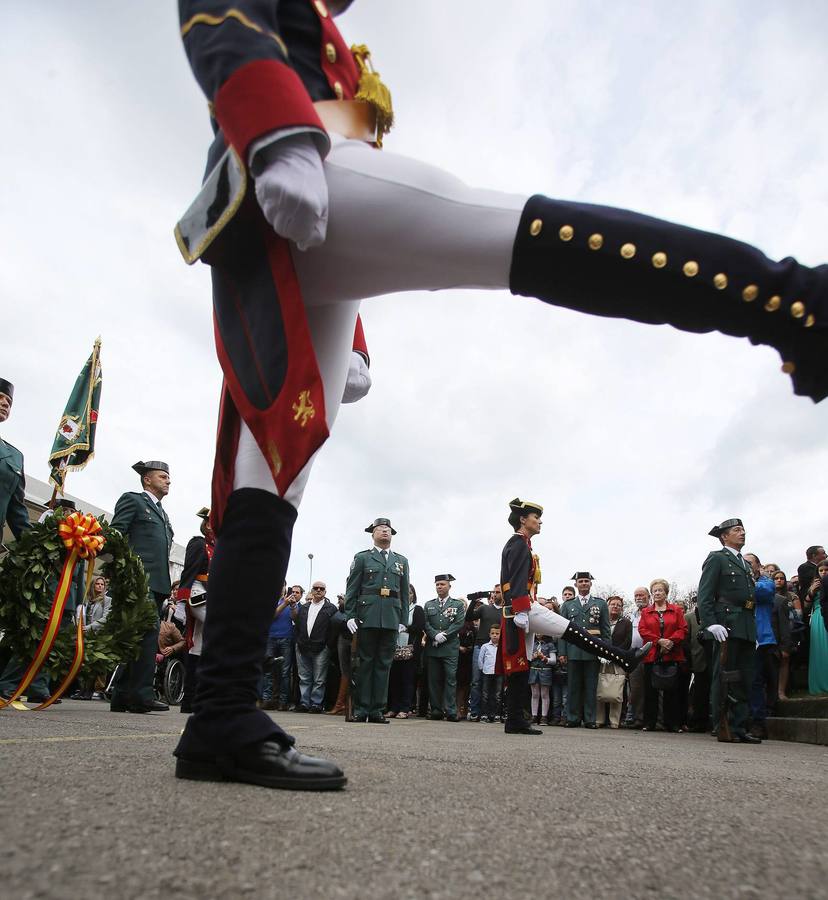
(28, 580)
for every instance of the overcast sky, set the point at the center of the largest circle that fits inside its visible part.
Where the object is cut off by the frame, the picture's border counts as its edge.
(637, 439)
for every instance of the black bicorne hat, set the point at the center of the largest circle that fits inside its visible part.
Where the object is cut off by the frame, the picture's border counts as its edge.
(7, 388)
(718, 530)
(151, 465)
(377, 523)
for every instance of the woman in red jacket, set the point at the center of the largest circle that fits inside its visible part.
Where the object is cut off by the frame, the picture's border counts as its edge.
(662, 623)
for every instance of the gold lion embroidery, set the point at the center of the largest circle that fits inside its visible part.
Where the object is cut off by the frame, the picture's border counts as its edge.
(304, 409)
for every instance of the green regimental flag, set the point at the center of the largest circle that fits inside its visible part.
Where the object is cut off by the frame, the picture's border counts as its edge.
(74, 442)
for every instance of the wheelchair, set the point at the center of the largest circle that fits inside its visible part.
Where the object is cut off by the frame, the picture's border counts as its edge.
(169, 678)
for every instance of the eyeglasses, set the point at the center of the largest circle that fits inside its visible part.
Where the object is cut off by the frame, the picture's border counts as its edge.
(319, 589)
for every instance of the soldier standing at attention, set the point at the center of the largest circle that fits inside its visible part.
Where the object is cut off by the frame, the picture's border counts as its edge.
(12, 480)
(142, 520)
(591, 614)
(444, 617)
(376, 606)
(726, 605)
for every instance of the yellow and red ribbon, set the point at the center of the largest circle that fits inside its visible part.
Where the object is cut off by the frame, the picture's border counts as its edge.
(83, 538)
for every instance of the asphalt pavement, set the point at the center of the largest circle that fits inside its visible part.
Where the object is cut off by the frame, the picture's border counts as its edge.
(90, 808)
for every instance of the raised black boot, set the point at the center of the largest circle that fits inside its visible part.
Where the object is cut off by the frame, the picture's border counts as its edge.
(612, 262)
(228, 738)
(582, 639)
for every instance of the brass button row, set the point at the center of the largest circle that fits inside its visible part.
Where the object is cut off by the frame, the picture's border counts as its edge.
(330, 52)
(690, 270)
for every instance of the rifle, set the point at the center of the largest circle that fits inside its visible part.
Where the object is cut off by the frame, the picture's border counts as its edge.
(724, 734)
(349, 700)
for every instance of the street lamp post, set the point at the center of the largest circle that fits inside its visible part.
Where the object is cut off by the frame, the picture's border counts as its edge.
(310, 573)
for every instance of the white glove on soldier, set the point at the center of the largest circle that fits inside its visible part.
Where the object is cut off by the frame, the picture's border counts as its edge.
(401, 628)
(292, 190)
(718, 631)
(440, 638)
(521, 620)
(352, 625)
(359, 379)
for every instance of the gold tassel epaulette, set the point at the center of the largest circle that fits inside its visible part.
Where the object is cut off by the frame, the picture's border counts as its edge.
(371, 90)
(537, 578)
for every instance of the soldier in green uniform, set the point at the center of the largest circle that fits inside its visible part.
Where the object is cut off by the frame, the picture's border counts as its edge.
(444, 617)
(726, 608)
(140, 517)
(376, 607)
(12, 480)
(591, 614)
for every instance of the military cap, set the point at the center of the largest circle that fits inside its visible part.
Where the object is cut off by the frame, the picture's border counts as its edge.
(443, 578)
(588, 575)
(151, 465)
(377, 523)
(65, 503)
(204, 512)
(7, 388)
(524, 507)
(718, 530)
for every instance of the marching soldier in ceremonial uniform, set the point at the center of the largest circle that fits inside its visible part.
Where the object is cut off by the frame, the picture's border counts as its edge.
(192, 589)
(298, 120)
(592, 615)
(524, 617)
(444, 617)
(726, 605)
(12, 480)
(376, 607)
(140, 517)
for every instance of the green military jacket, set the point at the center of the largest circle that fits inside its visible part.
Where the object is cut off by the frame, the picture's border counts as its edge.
(594, 617)
(448, 617)
(726, 592)
(376, 593)
(145, 525)
(12, 485)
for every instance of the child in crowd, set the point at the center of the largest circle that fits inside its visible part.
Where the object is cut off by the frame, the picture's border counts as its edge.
(491, 683)
(544, 659)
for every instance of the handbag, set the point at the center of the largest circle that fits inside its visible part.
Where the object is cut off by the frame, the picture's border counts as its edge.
(664, 675)
(404, 653)
(610, 688)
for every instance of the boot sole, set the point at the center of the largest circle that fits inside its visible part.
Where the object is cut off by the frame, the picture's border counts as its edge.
(204, 770)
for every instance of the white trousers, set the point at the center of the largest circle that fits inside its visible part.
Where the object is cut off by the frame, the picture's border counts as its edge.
(543, 622)
(395, 225)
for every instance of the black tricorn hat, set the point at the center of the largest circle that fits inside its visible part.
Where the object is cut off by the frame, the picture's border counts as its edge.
(377, 523)
(7, 388)
(718, 530)
(65, 503)
(578, 575)
(443, 578)
(204, 512)
(151, 465)
(524, 507)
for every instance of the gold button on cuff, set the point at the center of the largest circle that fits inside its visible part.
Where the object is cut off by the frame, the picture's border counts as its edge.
(788, 368)
(596, 241)
(321, 8)
(330, 52)
(566, 232)
(774, 303)
(750, 293)
(659, 260)
(809, 322)
(690, 268)
(628, 251)
(536, 227)
(720, 281)
(338, 90)
(797, 309)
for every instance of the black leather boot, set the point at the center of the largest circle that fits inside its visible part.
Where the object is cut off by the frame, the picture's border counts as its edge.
(612, 262)
(228, 738)
(582, 639)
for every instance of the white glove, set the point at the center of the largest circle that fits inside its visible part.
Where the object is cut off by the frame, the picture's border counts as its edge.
(352, 625)
(359, 379)
(440, 638)
(718, 631)
(401, 628)
(521, 620)
(292, 190)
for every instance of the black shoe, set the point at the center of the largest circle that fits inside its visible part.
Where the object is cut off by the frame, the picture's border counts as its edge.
(590, 724)
(759, 730)
(358, 719)
(748, 739)
(300, 708)
(315, 709)
(527, 729)
(118, 706)
(379, 720)
(268, 764)
(436, 717)
(569, 724)
(452, 719)
(38, 698)
(152, 706)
